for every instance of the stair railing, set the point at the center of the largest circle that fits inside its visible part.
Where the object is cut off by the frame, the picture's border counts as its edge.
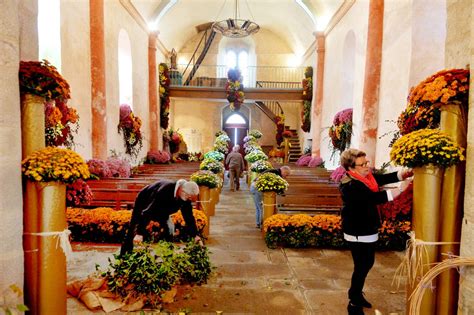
(207, 39)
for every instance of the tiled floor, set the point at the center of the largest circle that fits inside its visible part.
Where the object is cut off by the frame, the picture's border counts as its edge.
(250, 278)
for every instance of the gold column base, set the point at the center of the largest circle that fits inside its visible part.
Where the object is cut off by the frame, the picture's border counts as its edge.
(204, 205)
(269, 204)
(214, 192)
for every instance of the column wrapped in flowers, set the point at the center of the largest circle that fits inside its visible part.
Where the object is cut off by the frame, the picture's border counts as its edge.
(307, 98)
(129, 125)
(280, 127)
(270, 185)
(429, 152)
(48, 171)
(164, 95)
(340, 132)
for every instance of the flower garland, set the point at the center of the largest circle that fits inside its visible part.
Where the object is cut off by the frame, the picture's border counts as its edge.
(129, 126)
(234, 89)
(341, 130)
(307, 98)
(54, 164)
(424, 100)
(426, 146)
(42, 79)
(164, 95)
(61, 122)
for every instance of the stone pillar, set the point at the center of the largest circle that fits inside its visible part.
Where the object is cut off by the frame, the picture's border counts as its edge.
(153, 92)
(27, 13)
(98, 87)
(318, 89)
(373, 63)
(11, 225)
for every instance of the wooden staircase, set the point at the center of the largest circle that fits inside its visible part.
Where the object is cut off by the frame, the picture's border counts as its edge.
(295, 149)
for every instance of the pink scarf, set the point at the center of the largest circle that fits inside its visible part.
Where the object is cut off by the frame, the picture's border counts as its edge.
(369, 181)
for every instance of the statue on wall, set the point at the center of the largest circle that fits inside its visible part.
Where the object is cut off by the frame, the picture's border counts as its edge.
(173, 58)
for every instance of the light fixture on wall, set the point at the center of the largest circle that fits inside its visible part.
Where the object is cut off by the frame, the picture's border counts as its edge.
(236, 27)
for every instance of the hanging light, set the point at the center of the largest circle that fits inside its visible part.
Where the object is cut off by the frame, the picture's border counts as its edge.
(235, 27)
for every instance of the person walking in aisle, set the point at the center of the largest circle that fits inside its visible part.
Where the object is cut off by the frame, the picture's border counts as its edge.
(235, 162)
(360, 219)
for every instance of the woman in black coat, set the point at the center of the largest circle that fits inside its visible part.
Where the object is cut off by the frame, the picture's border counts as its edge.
(360, 218)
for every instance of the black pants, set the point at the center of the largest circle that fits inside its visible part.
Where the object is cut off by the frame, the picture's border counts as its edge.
(363, 255)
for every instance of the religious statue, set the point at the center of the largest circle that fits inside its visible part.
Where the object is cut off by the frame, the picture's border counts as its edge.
(173, 58)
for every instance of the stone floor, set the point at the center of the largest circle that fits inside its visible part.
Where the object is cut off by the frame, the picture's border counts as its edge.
(249, 278)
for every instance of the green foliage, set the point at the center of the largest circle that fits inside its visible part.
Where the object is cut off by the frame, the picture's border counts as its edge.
(149, 271)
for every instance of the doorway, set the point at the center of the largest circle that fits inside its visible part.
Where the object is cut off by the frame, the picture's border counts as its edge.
(236, 126)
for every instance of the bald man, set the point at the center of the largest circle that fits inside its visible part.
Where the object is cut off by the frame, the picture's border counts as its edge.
(156, 202)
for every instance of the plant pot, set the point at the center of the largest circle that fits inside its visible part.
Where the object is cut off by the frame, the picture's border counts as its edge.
(214, 193)
(32, 124)
(269, 204)
(205, 206)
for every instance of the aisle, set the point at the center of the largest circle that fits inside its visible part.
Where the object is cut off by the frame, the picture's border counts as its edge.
(250, 278)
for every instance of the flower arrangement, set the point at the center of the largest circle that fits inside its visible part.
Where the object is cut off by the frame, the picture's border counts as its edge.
(107, 225)
(221, 146)
(214, 155)
(257, 134)
(251, 145)
(400, 208)
(302, 231)
(61, 122)
(206, 178)
(316, 162)
(164, 95)
(304, 160)
(249, 138)
(338, 174)
(307, 97)
(42, 79)
(157, 157)
(174, 139)
(129, 125)
(426, 146)
(280, 127)
(220, 133)
(222, 137)
(212, 165)
(260, 166)
(119, 167)
(54, 164)
(255, 156)
(446, 86)
(341, 130)
(195, 157)
(287, 134)
(99, 168)
(78, 193)
(234, 89)
(276, 153)
(270, 182)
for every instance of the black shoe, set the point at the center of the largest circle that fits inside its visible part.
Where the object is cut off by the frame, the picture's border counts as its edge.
(361, 301)
(353, 309)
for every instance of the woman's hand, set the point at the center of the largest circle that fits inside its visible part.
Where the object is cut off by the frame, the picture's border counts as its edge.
(198, 240)
(407, 173)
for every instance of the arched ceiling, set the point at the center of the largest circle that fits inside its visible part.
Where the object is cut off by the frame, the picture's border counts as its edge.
(293, 20)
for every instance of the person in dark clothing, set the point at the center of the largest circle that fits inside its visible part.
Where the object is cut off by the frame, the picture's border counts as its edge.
(156, 202)
(360, 218)
(235, 161)
(283, 171)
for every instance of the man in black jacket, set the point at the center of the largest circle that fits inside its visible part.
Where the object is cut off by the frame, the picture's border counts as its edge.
(360, 218)
(156, 202)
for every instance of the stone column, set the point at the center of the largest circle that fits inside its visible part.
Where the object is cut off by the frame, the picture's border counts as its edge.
(98, 87)
(373, 64)
(153, 92)
(318, 86)
(11, 225)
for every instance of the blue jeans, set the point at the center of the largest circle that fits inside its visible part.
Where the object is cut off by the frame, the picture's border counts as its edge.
(257, 199)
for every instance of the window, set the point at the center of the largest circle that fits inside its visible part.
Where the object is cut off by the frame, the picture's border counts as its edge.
(125, 69)
(240, 60)
(49, 32)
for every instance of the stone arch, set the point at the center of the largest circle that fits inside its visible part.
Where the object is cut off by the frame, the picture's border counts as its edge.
(125, 69)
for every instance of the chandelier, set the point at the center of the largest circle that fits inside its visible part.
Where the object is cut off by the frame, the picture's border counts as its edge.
(235, 27)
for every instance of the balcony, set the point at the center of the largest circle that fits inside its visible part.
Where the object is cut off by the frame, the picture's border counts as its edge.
(260, 83)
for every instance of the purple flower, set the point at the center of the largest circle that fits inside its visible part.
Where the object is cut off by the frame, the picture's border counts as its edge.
(119, 167)
(304, 160)
(125, 111)
(315, 162)
(343, 116)
(99, 168)
(338, 174)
